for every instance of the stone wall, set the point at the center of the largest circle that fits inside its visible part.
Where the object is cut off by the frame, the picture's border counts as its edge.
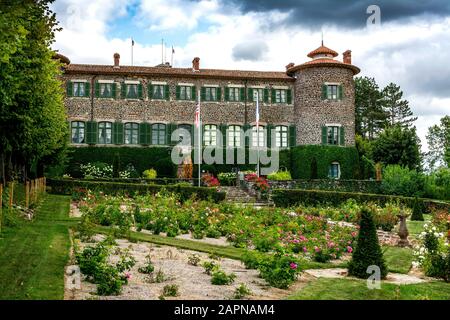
(311, 112)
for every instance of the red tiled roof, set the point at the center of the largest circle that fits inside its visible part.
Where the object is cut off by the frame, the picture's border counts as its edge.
(180, 72)
(322, 50)
(324, 63)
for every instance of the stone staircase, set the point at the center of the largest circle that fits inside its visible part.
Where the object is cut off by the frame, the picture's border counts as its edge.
(243, 197)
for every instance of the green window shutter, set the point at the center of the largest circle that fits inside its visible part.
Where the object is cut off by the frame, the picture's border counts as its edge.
(144, 133)
(167, 92)
(123, 90)
(203, 93)
(227, 94)
(150, 91)
(170, 127)
(273, 96)
(97, 89)
(69, 88)
(340, 92)
(194, 93)
(87, 89)
(219, 94)
(324, 135)
(118, 133)
(266, 96)
(177, 92)
(91, 132)
(324, 92)
(342, 136)
(289, 96)
(250, 94)
(242, 94)
(113, 90)
(140, 91)
(292, 136)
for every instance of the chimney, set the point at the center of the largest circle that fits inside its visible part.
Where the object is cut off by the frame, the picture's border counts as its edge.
(290, 65)
(196, 64)
(347, 57)
(116, 60)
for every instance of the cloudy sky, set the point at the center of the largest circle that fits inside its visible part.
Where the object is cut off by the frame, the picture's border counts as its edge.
(410, 46)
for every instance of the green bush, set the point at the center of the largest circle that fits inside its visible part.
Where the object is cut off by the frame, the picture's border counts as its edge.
(241, 292)
(437, 184)
(170, 290)
(279, 270)
(402, 181)
(368, 251)
(150, 174)
(280, 176)
(220, 278)
(227, 178)
(313, 161)
(417, 210)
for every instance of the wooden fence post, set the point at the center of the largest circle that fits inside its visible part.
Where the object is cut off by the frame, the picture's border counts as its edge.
(27, 194)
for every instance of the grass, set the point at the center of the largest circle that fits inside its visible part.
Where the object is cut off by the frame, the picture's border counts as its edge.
(416, 227)
(34, 253)
(398, 260)
(347, 289)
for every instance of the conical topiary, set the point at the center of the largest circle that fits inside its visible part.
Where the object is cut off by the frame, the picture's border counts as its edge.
(417, 210)
(116, 165)
(368, 251)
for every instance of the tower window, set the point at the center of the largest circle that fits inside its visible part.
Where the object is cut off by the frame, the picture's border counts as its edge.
(334, 171)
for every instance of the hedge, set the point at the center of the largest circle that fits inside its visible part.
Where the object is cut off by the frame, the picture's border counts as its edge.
(158, 181)
(68, 186)
(313, 161)
(288, 198)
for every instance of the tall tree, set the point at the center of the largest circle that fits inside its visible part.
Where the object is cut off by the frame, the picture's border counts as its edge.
(438, 139)
(398, 145)
(396, 108)
(370, 116)
(32, 114)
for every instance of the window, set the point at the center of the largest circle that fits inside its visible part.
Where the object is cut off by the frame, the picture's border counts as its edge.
(234, 136)
(104, 132)
(210, 94)
(260, 93)
(131, 133)
(280, 96)
(185, 93)
(79, 89)
(334, 171)
(105, 90)
(258, 137)
(332, 92)
(281, 136)
(78, 132)
(333, 135)
(210, 135)
(234, 94)
(158, 134)
(158, 91)
(132, 91)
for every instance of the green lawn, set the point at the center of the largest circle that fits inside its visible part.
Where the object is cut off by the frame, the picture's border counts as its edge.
(346, 289)
(33, 254)
(416, 227)
(398, 260)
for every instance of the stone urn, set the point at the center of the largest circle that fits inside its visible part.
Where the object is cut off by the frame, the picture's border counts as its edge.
(403, 231)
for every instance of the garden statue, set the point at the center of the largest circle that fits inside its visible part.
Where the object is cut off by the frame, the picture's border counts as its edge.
(403, 231)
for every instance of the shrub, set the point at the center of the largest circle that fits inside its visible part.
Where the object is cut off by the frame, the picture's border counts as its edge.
(417, 210)
(220, 278)
(108, 281)
(279, 270)
(241, 292)
(150, 174)
(194, 259)
(210, 181)
(170, 290)
(227, 178)
(148, 267)
(368, 251)
(402, 181)
(280, 176)
(437, 184)
(210, 267)
(252, 259)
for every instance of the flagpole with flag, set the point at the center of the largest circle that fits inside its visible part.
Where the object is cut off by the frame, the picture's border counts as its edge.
(171, 61)
(132, 45)
(198, 124)
(257, 131)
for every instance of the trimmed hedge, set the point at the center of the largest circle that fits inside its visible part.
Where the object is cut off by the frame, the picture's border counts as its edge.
(289, 198)
(313, 161)
(158, 181)
(67, 186)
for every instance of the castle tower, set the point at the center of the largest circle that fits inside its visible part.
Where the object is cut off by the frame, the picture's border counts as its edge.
(325, 99)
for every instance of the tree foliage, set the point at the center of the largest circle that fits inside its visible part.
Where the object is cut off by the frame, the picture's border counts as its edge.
(397, 109)
(438, 138)
(32, 114)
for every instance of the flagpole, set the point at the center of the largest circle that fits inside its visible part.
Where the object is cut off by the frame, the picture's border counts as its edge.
(199, 140)
(257, 132)
(171, 60)
(132, 45)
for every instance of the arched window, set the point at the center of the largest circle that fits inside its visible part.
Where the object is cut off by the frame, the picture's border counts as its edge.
(104, 132)
(77, 131)
(210, 135)
(158, 134)
(281, 136)
(258, 137)
(334, 171)
(234, 136)
(131, 133)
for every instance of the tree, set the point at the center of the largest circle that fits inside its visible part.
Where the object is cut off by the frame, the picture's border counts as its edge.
(368, 251)
(417, 210)
(370, 116)
(438, 138)
(32, 114)
(398, 110)
(398, 145)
